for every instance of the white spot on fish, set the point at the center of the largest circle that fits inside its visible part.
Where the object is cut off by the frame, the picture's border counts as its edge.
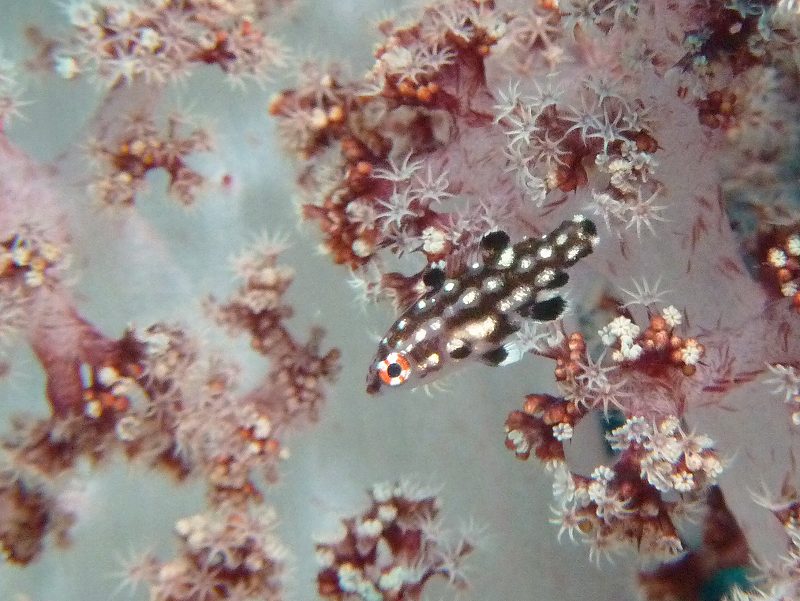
(454, 344)
(492, 284)
(420, 334)
(506, 258)
(525, 263)
(469, 297)
(521, 294)
(545, 252)
(573, 252)
(481, 328)
(544, 277)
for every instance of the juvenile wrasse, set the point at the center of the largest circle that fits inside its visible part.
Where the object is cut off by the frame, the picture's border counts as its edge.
(473, 315)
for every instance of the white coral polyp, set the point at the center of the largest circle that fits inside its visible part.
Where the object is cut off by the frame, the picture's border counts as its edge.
(793, 245)
(620, 328)
(562, 432)
(683, 481)
(369, 528)
(672, 316)
(691, 353)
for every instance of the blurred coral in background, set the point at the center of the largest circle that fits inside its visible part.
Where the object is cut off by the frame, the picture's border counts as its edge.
(667, 397)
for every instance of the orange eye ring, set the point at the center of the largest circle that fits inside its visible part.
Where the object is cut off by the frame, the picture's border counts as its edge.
(394, 369)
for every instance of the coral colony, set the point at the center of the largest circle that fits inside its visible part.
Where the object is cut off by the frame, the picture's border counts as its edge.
(492, 144)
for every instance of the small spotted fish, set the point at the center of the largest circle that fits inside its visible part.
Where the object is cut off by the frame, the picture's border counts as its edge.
(472, 316)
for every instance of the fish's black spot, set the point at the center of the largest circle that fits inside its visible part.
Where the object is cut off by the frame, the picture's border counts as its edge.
(394, 370)
(547, 310)
(434, 278)
(561, 278)
(495, 356)
(589, 227)
(494, 242)
(462, 352)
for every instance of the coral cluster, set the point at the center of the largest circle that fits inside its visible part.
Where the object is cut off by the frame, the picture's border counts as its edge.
(228, 553)
(138, 148)
(161, 41)
(391, 550)
(780, 263)
(631, 503)
(676, 126)
(159, 395)
(786, 383)
(156, 395)
(31, 510)
(28, 260)
(298, 371)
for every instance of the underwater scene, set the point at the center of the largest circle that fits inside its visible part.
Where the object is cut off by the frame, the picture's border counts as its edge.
(399, 300)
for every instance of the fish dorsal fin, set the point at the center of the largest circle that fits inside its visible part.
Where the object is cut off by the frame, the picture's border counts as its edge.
(406, 289)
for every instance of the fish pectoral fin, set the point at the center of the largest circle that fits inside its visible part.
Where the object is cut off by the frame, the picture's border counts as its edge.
(496, 356)
(493, 243)
(546, 310)
(502, 355)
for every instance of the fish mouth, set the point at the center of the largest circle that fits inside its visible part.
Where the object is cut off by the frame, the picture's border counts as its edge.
(373, 383)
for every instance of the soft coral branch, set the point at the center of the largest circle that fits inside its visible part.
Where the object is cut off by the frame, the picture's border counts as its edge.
(155, 393)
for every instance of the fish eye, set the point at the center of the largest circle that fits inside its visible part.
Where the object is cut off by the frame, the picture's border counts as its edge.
(394, 369)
